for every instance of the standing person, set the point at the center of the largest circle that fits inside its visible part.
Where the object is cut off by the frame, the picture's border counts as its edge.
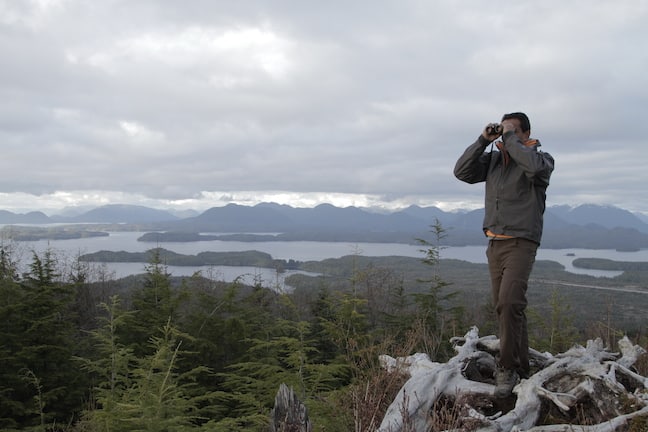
(516, 179)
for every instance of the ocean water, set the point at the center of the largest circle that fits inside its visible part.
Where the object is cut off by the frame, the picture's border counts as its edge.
(297, 250)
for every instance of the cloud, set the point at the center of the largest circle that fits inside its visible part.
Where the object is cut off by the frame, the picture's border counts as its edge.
(370, 103)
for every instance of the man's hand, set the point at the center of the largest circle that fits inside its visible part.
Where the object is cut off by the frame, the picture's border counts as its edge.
(492, 131)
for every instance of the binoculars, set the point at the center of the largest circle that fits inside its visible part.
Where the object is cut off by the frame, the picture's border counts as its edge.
(494, 129)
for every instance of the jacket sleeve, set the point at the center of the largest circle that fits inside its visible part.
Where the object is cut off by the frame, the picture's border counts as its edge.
(472, 166)
(537, 165)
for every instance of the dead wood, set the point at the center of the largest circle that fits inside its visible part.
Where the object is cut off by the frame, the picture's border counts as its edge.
(588, 387)
(289, 413)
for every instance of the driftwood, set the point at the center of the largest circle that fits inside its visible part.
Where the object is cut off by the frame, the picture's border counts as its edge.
(585, 389)
(289, 414)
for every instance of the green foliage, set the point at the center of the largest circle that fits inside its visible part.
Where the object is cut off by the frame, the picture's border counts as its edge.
(202, 354)
(110, 370)
(437, 318)
(12, 406)
(8, 264)
(214, 317)
(553, 331)
(141, 393)
(38, 340)
(159, 397)
(155, 303)
(282, 353)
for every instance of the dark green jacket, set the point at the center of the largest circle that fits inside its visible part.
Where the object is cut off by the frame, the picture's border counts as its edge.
(515, 191)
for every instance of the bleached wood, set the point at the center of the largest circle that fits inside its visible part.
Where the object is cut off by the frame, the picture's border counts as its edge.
(564, 381)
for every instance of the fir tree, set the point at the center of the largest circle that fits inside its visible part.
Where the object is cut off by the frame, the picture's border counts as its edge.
(154, 304)
(40, 340)
(141, 393)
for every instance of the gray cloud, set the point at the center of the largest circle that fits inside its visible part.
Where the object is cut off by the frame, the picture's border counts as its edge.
(200, 103)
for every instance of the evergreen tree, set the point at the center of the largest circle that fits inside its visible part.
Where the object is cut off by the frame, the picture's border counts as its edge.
(159, 399)
(323, 311)
(214, 317)
(109, 370)
(142, 393)
(11, 330)
(243, 392)
(281, 355)
(8, 264)
(154, 304)
(40, 383)
(436, 318)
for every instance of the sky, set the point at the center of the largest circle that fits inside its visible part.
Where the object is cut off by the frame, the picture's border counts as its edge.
(196, 104)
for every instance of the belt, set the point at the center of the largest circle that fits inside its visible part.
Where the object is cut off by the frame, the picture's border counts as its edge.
(491, 234)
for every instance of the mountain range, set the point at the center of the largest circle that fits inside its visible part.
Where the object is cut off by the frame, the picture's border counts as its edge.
(584, 226)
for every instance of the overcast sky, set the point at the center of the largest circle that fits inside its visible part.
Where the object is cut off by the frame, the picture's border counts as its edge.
(194, 104)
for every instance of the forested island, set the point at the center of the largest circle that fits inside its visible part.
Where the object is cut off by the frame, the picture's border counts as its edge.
(607, 264)
(35, 233)
(238, 258)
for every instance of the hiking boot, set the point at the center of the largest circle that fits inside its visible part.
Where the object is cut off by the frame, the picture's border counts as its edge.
(505, 380)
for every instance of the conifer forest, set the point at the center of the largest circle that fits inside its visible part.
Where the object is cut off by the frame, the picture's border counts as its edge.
(83, 352)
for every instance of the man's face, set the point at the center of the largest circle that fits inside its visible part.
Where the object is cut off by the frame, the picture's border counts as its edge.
(517, 126)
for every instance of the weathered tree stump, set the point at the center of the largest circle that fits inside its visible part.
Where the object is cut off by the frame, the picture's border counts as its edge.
(289, 414)
(586, 387)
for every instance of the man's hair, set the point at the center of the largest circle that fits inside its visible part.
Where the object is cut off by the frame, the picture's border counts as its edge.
(524, 120)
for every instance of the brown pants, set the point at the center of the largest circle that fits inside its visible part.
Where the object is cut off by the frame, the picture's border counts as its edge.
(510, 262)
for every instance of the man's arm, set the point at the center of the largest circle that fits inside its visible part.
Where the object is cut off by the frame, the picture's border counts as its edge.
(536, 164)
(472, 166)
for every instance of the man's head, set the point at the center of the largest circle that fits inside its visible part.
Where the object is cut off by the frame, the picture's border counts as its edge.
(522, 124)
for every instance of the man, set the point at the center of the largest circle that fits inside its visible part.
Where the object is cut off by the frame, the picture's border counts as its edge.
(516, 179)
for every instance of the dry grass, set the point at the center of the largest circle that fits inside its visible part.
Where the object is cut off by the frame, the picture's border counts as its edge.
(642, 365)
(371, 396)
(375, 388)
(450, 413)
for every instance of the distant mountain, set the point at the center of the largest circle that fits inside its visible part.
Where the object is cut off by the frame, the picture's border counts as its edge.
(605, 216)
(270, 217)
(7, 217)
(118, 213)
(426, 213)
(597, 227)
(72, 211)
(236, 218)
(642, 217)
(586, 226)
